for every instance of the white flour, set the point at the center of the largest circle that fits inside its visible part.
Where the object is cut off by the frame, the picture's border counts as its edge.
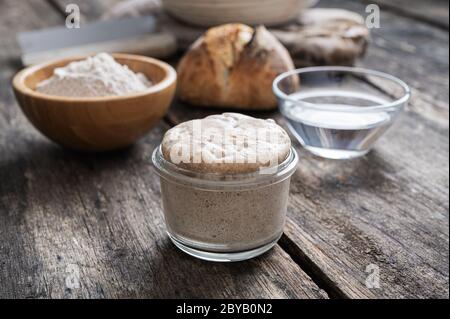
(97, 76)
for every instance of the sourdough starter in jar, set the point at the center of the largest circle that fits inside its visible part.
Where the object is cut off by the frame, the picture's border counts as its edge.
(226, 198)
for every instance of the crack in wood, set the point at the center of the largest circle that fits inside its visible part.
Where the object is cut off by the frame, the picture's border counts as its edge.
(299, 257)
(316, 274)
(317, 270)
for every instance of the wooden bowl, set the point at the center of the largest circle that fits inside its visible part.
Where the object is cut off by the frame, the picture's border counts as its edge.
(97, 124)
(208, 13)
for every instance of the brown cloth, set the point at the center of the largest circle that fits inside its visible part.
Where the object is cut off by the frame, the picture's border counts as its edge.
(325, 37)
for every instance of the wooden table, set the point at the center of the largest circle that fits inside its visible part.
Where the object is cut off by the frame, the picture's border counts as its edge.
(77, 225)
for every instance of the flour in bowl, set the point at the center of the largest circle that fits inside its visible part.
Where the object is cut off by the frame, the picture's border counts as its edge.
(97, 76)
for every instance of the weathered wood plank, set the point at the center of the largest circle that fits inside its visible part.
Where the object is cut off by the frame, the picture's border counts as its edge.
(420, 56)
(415, 52)
(100, 216)
(77, 225)
(390, 209)
(17, 268)
(90, 10)
(434, 12)
(13, 21)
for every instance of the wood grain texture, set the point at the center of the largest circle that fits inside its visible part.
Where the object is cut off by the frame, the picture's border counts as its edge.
(99, 220)
(402, 185)
(389, 209)
(62, 211)
(434, 12)
(12, 13)
(90, 10)
(413, 51)
(74, 225)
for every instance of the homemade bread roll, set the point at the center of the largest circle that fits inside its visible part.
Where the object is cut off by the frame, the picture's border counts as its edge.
(233, 66)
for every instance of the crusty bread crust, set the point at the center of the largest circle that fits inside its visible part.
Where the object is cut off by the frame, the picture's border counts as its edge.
(233, 66)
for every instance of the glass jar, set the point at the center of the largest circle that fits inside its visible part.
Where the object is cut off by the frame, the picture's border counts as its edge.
(224, 218)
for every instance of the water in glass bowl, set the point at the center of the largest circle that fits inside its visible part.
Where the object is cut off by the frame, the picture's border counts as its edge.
(332, 131)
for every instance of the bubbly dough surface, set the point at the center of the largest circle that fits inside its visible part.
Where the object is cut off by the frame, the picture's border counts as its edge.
(230, 143)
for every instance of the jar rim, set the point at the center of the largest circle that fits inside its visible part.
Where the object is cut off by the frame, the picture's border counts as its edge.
(263, 177)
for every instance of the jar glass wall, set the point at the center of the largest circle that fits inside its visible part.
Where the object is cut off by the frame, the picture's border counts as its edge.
(225, 217)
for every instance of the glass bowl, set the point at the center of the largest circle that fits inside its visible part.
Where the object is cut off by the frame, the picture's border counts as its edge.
(340, 112)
